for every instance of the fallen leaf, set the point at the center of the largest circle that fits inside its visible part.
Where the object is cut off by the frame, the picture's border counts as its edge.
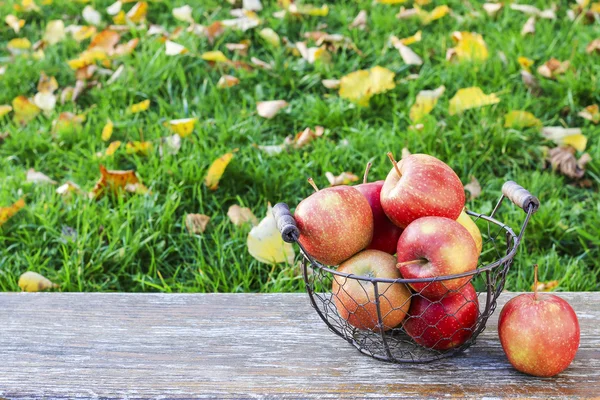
(270, 36)
(139, 107)
(534, 11)
(183, 127)
(15, 23)
(170, 145)
(261, 64)
(530, 82)
(553, 67)
(107, 131)
(18, 46)
(227, 81)
(408, 55)
(5, 109)
(470, 46)
(87, 57)
(265, 243)
(8, 212)
(425, 102)
(313, 54)
(565, 136)
(345, 178)
(520, 119)
(183, 13)
(68, 188)
(106, 41)
(252, 5)
(214, 56)
(81, 33)
(594, 45)
(492, 9)
(272, 149)
(435, 14)
(469, 98)
(407, 40)
(117, 181)
(268, 109)
(38, 177)
(474, 188)
(216, 170)
(138, 12)
(331, 83)
(361, 85)
(112, 148)
(46, 101)
(137, 147)
(33, 282)
(246, 20)
(591, 113)
(114, 8)
(241, 215)
(91, 16)
(562, 159)
(545, 286)
(305, 137)
(525, 63)
(529, 27)
(308, 9)
(173, 49)
(67, 122)
(241, 48)
(196, 223)
(360, 21)
(24, 110)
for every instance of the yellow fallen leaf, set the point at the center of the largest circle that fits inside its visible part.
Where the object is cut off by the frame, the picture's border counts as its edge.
(270, 36)
(435, 14)
(136, 147)
(268, 109)
(545, 286)
(265, 243)
(33, 282)
(214, 56)
(5, 109)
(183, 127)
(196, 223)
(105, 40)
(469, 98)
(407, 41)
(425, 102)
(117, 181)
(138, 12)
(81, 33)
(566, 136)
(86, 58)
(24, 110)
(525, 63)
(15, 23)
(18, 45)
(26, 6)
(173, 49)
(345, 178)
(112, 148)
(520, 119)
(183, 13)
(227, 81)
(308, 9)
(139, 107)
(470, 46)
(107, 131)
(360, 86)
(47, 83)
(7, 212)
(241, 215)
(591, 113)
(216, 170)
(120, 18)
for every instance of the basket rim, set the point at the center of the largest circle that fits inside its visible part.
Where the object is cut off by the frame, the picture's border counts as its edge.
(506, 258)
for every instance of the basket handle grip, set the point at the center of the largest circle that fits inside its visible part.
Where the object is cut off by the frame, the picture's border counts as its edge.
(520, 196)
(286, 223)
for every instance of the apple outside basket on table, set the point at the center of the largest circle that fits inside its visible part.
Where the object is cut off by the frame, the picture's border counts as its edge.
(433, 298)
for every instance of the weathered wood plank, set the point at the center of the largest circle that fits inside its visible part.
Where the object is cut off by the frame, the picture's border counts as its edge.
(242, 345)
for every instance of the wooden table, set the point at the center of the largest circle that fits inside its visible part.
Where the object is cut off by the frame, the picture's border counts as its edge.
(94, 345)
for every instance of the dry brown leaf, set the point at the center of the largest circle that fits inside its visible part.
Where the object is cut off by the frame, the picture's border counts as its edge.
(105, 40)
(33, 282)
(227, 81)
(241, 215)
(593, 46)
(529, 27)
(268, 109)
(360, 21)
(553, 67)
(196, 223)
(563, 160)
(117, 181)
(492, 8)
(474, 188)
(8, 212)
(240, 48)
(344, 178)
(38, 177)
(305, 137)
(591, 113)
(261, 64)
(545, 286)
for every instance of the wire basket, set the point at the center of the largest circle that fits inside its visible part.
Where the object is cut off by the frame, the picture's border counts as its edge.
(429, 329)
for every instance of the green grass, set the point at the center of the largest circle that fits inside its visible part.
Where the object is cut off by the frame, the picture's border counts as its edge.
(139, 243)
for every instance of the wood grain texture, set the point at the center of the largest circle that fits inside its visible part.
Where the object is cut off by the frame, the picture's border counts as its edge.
(95, 345)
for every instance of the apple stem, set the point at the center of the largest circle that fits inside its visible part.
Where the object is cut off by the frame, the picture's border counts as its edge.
(417, 261)
(312, 183)
(535, 281)
(367, 169)
(393, 160)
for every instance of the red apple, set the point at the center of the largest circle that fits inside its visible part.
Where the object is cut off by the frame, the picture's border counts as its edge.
(433, 247)
(539, 333)
(445, 323)
(465, 220)
(420, 186)
(385, 233)
(355, 299)
(334, 223)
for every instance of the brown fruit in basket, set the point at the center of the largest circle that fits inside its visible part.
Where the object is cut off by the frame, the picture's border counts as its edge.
(446, 323)
(420, 186)
(434, 247)
(334, 223)
(465, 220)
(355, 299)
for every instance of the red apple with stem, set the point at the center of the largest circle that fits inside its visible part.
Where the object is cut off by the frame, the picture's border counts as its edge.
(334, 223)
(418, 186)
(355, 299)
(446, 323)
(539, 332)
(385, 233)
(434, 247)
